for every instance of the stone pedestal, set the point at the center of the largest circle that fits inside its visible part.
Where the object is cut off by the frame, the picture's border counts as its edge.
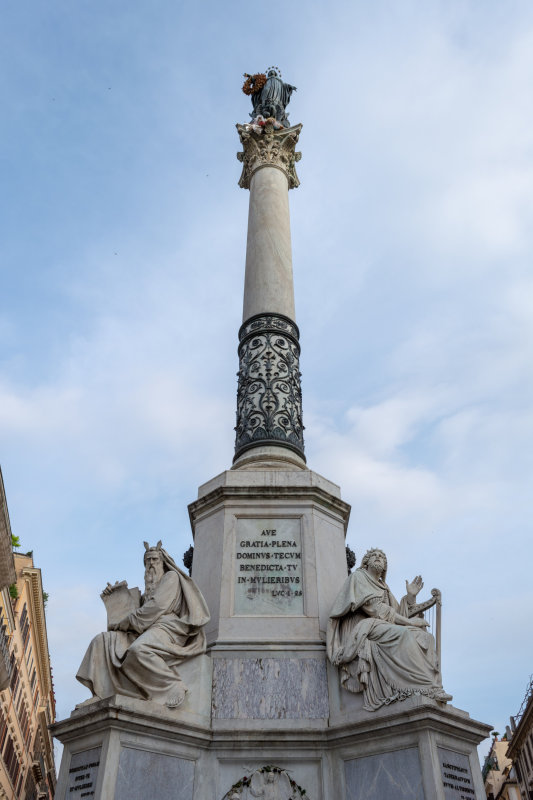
(124, 749)
(265, 694)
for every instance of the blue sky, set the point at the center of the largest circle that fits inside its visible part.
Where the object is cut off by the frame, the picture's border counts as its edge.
(122, 248)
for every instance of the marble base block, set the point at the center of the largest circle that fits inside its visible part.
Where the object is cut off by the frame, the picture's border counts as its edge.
(124, 749)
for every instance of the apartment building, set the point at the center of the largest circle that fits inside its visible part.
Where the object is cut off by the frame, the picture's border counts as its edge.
(27, 706)
(520, 748)
(498, 773)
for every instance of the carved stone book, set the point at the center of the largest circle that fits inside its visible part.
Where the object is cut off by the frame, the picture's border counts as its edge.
(121, 602)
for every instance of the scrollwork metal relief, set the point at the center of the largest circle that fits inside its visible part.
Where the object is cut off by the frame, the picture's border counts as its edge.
(269, 397)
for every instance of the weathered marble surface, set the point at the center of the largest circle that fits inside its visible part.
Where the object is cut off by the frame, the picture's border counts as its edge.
(142, 775)
(330, 761)
(388, 776)
(269, 688)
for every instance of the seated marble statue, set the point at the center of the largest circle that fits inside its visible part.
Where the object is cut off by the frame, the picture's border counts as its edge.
(380, 651)
(139, 653)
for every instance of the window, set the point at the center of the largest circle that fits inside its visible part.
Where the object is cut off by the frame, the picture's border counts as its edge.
(11, 761)
(15, 676)
(525, 756)
(3, 730)
(25, 626)
(24, 719)
(30, 788)
(529, 750)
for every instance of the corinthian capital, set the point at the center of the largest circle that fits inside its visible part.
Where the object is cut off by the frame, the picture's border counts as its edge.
(268, 148)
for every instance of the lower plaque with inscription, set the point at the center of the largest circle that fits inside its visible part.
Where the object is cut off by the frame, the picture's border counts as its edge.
(394, 775)
(143, 775)
(268, 567)
(456, 775)
(82, 774)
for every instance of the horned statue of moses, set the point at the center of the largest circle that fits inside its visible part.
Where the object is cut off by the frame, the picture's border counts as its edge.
(148, 635)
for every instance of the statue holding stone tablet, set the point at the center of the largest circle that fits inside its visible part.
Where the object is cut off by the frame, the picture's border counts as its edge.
(148, 636)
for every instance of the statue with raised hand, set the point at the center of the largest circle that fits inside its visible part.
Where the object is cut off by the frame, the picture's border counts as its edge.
(382, 647)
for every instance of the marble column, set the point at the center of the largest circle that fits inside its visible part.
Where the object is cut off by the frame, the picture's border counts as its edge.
(269, 401)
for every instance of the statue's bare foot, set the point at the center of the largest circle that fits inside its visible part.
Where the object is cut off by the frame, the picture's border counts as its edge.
(443, 697)
(176, 699)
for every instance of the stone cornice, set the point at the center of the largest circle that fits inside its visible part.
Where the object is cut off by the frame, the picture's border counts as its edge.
(118, 714)
(283, 494)
(139, 716)
(35, 593)
(419, 715)
(269, 148)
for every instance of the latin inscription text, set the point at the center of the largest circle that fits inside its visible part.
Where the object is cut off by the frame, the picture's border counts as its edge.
(268, 568)
(457, 780)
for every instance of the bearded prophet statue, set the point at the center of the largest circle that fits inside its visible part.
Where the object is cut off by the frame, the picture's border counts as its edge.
(139, 653)
(379, 648)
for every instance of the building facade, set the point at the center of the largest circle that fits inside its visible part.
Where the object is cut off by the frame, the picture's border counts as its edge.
(521, 745)
(27, 706)
(499, 774)
(7, 578)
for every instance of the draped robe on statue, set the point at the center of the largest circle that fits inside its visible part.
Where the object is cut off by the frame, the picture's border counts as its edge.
(376, 656)
(273, 99)
(140, 659)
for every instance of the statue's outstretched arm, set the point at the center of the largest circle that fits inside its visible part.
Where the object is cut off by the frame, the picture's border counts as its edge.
(417, 622)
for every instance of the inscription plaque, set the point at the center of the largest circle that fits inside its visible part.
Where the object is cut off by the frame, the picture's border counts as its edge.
(395, 775)
(268, 567)
(456, 775)
(82, 774)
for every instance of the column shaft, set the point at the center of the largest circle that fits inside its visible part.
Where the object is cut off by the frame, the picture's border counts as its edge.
(269, 398)
(268, 283)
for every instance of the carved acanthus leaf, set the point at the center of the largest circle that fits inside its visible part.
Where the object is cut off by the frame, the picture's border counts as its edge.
(269, 148)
